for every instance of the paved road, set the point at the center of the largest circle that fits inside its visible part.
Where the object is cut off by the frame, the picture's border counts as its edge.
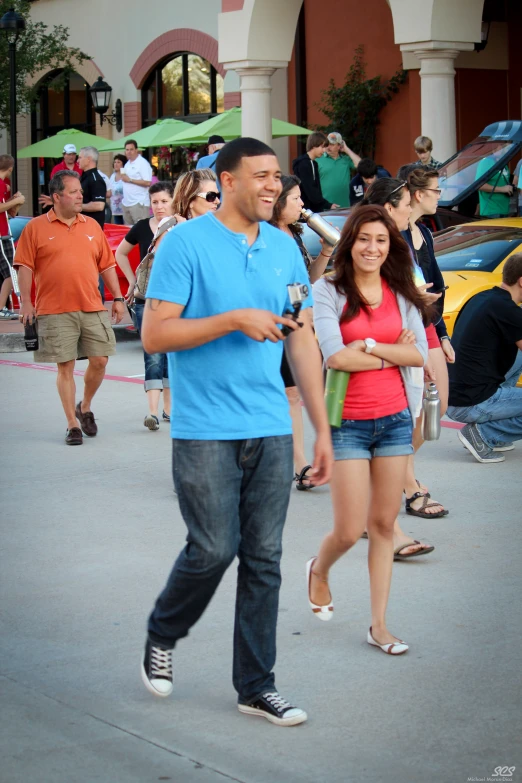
(89, 535)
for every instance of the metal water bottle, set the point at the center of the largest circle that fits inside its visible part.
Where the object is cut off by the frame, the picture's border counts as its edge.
(329, 233)
(431, 413)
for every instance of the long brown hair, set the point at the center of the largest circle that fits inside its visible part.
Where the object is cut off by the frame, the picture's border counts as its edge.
(397, 270)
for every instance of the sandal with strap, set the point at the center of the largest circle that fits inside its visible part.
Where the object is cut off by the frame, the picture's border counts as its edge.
(421, 511)
(301, 478)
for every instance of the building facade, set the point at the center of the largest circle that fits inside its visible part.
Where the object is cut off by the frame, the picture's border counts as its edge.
(192, 60)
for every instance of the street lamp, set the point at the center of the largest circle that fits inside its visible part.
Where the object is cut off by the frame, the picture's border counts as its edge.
(101, 98)
(12, 24)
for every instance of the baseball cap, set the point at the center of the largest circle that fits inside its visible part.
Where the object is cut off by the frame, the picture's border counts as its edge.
(335, 138)
(69, 148)
(216, 140)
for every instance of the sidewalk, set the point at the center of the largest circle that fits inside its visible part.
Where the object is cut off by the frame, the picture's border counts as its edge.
(89, 535)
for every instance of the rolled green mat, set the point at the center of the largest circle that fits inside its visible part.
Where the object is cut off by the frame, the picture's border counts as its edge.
(334, 395)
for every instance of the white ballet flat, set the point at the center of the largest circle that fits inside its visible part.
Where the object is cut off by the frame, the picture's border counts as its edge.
(321, 612)
(395, 648)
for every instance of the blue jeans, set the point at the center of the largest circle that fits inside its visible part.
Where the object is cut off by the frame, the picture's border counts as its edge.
(388, 436)
(156, 365)
(233, 496)
(499, 418)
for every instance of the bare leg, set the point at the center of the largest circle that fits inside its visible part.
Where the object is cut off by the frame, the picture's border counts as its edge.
(153, 398)
(350, 488)
(166, 400)
(92, 379)
(296, 413)
(387, 479)
(5, 291)
(67, 391)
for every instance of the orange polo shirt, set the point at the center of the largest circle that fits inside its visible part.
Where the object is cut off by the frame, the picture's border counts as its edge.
(66, 261)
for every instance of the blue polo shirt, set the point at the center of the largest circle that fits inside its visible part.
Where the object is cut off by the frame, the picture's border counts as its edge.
(230, 388)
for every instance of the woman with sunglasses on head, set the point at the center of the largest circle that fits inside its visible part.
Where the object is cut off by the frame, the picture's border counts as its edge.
(367, 319)
(393, 194)
(287, 212)
(423, 184)
(142, 234)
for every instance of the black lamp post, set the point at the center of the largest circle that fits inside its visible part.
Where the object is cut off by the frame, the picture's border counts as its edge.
(12, 25)
(101, 98)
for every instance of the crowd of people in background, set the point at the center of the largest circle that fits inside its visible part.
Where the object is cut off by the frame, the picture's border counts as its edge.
(378, 317)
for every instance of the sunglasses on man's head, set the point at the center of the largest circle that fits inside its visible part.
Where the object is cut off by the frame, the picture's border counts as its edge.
(211, 196)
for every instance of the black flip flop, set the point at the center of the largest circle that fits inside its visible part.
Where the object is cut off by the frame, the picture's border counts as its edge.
(397, 552)
(298, 478)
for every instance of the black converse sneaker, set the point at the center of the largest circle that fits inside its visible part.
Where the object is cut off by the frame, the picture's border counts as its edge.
(156, 670)
(275, 709)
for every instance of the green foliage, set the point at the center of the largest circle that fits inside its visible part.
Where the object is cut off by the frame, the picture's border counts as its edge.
(38, 48)
(353, 109)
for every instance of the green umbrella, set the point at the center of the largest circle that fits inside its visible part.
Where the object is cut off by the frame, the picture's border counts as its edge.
(53, 146)
(156, 135)
(228, 125)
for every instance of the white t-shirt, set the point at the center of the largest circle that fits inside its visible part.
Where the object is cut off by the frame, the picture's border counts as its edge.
(136, 194)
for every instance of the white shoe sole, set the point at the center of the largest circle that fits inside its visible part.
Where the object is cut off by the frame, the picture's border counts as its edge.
(150, 687)
(293, 721)
(323, 613)
(507, 447)
(469, 446)
(401, 646)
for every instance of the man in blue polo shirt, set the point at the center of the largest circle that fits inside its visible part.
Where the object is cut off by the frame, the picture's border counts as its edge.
(214, 303)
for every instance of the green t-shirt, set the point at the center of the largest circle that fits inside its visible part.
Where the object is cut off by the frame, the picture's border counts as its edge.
(336, 174)
(493, 203)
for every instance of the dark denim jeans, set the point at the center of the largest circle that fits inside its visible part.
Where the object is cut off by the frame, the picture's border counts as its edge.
(156, 364)
(233, 496)
(499, 418)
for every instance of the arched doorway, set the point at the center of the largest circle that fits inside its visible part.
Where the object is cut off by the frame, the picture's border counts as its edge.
(63, 101)
(184, 86)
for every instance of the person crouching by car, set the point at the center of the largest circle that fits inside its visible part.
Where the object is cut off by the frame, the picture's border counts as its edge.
(367, 172)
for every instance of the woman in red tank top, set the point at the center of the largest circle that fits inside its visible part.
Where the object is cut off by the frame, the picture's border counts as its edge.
(367, 319)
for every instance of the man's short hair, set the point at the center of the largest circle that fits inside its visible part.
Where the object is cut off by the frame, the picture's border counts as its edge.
(367, 168)
(231, 155)
(133, 142)
(423, 144)
(90, 152)
(215, 139)
(512, 271)
(57, 184)
(316, 139)
(6, 162)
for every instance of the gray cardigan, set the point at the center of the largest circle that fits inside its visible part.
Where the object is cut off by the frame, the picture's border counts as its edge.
(328, 308)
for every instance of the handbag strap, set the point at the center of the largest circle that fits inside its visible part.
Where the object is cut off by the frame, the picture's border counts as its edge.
(163, 229)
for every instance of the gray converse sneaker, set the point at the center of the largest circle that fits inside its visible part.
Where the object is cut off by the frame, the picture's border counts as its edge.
(470, 437)
(504, 445)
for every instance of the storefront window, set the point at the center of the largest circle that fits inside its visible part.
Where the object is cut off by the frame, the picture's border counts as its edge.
(185, 86)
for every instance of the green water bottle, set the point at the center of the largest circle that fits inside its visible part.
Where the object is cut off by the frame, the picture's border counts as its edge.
(334, 395)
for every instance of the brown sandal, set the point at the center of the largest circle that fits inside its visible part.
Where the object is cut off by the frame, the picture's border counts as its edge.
(421, 511)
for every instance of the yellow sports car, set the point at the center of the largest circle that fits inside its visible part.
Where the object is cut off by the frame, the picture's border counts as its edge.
(471, 258)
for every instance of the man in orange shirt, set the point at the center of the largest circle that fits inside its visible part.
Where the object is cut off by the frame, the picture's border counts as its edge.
(66, 251)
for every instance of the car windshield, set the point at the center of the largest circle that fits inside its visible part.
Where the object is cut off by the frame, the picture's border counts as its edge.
(469, 165)
(469, 249)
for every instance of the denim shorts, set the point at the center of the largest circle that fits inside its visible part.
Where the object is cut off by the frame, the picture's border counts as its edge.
(390, 436)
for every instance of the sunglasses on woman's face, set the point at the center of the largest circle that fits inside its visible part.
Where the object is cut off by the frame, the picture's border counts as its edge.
(211, 196)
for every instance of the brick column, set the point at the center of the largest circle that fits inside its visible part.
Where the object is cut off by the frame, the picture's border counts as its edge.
(131, 117)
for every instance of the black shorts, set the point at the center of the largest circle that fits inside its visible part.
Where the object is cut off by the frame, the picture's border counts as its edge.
(6, 258)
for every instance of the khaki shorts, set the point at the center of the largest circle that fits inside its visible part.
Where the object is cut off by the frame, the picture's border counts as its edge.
(131, 215)
(67, 336)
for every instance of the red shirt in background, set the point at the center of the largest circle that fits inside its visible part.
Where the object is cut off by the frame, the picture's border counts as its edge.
(62, 166)
(373, 394)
